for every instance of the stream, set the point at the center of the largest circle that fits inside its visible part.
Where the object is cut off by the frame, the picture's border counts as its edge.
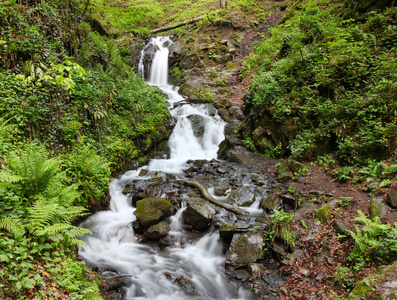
(186, 268)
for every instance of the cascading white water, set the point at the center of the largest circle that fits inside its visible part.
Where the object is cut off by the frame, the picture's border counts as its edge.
(113, 245)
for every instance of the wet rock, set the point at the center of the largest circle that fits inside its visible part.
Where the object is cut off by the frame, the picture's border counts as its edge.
(244, 249)
(157, 230)
(378, 208)
(150, 211)
(392, 199)
(198, 125)
(198, 214)
(324, 213)
(242, 196)
(221, 187)
(227, 231)
(143, 172)
(188, 286)
(113, 280)
(271, 202)
(225, 115)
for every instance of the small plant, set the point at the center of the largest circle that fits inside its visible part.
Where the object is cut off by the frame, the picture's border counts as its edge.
(280, 227)
(344, 202)
(213, 73)
(212, 55)
(344, 277)
(344, 174)
(249, 144)
(373, 241)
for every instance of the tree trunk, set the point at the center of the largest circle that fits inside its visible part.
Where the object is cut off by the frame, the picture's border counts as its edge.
(222, 4)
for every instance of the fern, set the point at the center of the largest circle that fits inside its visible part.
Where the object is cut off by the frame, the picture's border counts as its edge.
(10, 224)
(374, 239)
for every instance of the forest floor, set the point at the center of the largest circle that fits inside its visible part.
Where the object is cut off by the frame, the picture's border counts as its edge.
(316, 274)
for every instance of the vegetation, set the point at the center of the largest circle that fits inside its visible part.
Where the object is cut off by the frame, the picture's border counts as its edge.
(72, 112)
(324, 81)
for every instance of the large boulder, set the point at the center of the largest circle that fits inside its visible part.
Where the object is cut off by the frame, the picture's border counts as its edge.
(242, 196)
(245, 248)
(150, 211)
(198, 214)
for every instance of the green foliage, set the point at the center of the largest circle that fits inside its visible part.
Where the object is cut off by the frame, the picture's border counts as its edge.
(373, 241)
(328, 83)
(35, 227)
(344, 277)
(280, 227)
(344, 202)
(88, 170)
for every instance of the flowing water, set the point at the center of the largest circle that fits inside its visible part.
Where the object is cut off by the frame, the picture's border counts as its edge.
(113, 245)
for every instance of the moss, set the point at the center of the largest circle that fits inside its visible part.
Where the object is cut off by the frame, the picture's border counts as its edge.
(324, 213)
(365, 289)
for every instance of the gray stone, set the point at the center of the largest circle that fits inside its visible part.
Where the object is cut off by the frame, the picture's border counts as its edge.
(296, 254)
(157, 230)
(295, 166)
(373, 186)
(245, 248)
(242, 196)
(271, 202)
(198, 214)
(150, 211)
(378, 208)
(236, 112)
(255, 269)
(342, 228)
(392, 199)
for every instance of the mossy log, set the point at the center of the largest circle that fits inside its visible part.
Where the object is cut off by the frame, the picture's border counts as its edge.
(184, 23)
(208, 196)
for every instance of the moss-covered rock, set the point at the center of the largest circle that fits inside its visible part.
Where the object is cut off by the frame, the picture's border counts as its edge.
(150, 211)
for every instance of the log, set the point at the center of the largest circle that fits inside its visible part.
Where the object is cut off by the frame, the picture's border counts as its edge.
(184, 23)
(208, 196)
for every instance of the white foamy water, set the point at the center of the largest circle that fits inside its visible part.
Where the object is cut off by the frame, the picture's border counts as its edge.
(113, 245)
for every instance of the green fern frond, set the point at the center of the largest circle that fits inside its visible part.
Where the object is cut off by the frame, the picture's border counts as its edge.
(55, 228)
(42, 213)
(9, 178)
(10, 224)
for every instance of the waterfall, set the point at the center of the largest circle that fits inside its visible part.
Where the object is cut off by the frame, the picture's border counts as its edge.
(113, 245)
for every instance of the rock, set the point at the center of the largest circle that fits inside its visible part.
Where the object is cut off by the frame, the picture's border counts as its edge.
(239, 154)
(392, 199)
(286, 176)
(296, 254)
(226, 231)
(290, 200)
(378, 208)
(255, 269)
(198, 125)
(236, 112)
(143, 172)
(150, 211)
(113, 281)
(221, 187)
(245, 248)
(242, 196)
(271, 202)
(324, 213)
(188, 286)
(373, 186)
(342, 228)
(198, 214)
(157, 230)
(381, 285)
(296, 167)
